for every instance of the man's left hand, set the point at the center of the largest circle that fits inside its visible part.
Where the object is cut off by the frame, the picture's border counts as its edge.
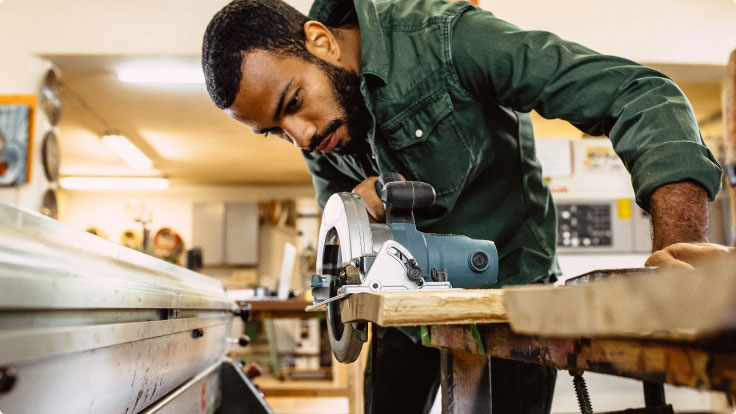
(688, 255)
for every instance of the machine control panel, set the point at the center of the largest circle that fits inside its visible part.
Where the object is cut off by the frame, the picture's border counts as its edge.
(584, 225)
(601, 226)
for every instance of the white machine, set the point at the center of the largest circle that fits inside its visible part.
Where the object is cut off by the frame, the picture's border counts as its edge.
(88, 326)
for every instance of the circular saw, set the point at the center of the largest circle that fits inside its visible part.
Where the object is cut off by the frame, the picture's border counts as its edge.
(355, 256)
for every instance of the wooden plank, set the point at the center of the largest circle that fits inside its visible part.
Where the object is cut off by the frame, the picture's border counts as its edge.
(729, 143)
(280, 309)
(290, 305)
(711, 366)
(729, 114)
(301, 389)
(676, 305)
(418, 307)
(356, 400)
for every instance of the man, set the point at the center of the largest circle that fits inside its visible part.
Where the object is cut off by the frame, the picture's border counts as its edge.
(440, 92)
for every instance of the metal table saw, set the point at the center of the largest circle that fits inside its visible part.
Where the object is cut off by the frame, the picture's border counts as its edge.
(88, 326)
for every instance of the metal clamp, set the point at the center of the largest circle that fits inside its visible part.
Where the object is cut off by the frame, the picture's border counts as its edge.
(243, 311)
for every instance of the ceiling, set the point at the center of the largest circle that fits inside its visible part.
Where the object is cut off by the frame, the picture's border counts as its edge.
(190, 140)
(186, 136)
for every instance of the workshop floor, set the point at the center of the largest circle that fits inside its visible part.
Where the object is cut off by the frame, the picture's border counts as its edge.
(607, 393)
(339, 405)
(308, 405)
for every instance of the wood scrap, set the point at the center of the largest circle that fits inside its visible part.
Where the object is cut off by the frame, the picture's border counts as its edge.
(425, 307)
(676, 305)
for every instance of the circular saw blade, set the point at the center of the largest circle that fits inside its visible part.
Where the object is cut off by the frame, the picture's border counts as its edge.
(345, 236)
(346, 339)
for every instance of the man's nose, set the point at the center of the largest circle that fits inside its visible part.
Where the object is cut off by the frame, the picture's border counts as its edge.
(298, 131)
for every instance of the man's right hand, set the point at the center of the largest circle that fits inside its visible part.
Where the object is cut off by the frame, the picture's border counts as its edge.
(373, 204)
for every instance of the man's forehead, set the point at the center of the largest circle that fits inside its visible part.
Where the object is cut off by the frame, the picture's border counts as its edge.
(264, 77)
(262, 64)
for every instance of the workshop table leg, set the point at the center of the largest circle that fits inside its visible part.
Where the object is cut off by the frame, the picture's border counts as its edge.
(654, 394)
(466, 383)
(273, 348)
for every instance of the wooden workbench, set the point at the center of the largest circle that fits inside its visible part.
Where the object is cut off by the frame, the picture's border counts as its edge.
(674, 327)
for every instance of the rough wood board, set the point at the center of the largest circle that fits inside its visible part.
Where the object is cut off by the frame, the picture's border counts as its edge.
(430, 307)
(693, 365)
(668, 305)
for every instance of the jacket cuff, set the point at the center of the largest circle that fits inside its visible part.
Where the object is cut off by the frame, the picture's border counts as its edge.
(672, 162)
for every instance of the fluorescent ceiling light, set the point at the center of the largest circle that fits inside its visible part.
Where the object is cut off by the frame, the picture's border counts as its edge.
(114, 183)
(165, 72)
(127, 151)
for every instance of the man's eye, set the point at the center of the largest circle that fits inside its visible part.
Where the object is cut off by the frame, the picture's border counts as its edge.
(275, 131)
(293, 103)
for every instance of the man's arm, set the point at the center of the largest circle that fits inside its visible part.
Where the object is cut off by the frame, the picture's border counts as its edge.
(647, 117)
(680, 225)
(679, 214)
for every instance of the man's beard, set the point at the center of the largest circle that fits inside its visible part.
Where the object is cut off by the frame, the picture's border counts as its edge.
(346, 89)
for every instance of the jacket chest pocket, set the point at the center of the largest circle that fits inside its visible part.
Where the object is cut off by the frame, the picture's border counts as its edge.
(426, 139)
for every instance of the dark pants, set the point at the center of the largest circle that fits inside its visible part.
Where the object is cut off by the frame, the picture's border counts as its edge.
(403, 377)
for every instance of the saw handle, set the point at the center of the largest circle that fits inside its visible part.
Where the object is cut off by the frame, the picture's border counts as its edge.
(386, 178)
(396, 192)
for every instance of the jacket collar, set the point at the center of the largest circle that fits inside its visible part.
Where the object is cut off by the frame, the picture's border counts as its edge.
(373, 56)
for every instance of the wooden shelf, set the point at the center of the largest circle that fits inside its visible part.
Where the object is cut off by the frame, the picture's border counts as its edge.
(273, 387)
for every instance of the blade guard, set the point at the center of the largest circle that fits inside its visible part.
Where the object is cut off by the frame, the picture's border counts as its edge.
(344, 219)
(344, 223)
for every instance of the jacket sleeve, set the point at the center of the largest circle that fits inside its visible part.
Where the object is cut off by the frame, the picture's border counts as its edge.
(326, 178)
(646, 116)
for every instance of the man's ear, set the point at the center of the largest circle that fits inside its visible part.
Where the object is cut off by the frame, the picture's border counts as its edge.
(321, 42)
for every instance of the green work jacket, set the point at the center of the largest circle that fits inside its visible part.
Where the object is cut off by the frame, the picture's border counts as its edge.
(450, 88)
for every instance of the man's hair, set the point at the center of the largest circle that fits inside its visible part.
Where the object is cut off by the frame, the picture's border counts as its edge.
(244, 26)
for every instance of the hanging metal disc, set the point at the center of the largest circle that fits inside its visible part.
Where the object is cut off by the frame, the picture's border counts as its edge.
(49, 206)
(50, 96)
(50, 156)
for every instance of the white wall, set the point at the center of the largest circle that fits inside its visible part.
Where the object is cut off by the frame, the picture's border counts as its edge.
(652, 31)
(107, 27)
(655, 31)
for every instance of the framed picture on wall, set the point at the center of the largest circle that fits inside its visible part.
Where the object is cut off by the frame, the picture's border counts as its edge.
(16, 138)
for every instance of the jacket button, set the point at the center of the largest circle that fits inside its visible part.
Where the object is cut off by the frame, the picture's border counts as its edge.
(419, 133)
